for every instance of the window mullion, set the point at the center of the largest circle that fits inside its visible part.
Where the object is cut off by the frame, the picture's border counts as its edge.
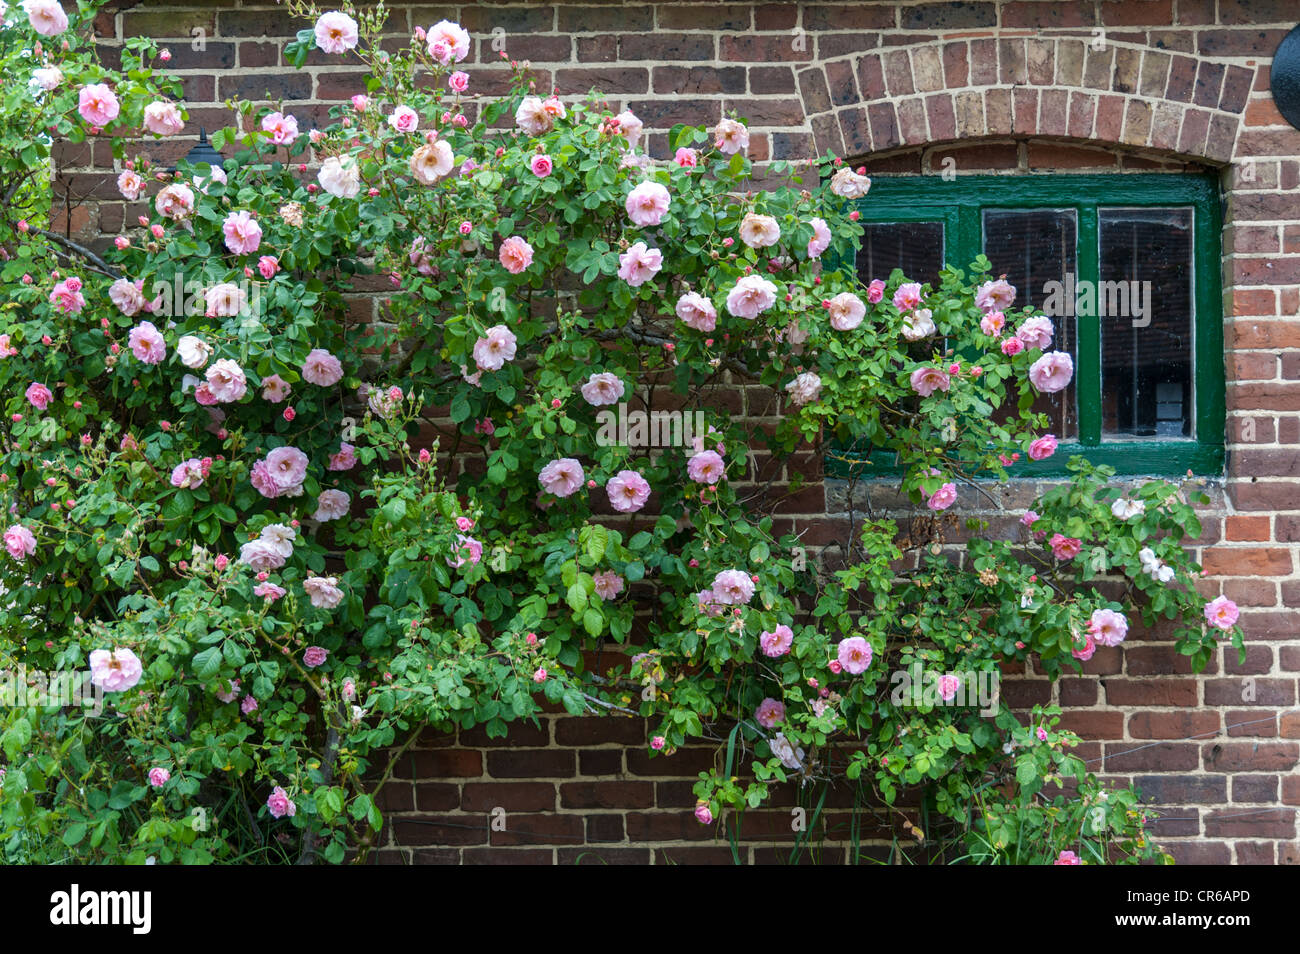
(1088, 329)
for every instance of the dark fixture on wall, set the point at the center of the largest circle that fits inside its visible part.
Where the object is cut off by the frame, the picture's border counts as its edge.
(1285, 77)
(203, 152)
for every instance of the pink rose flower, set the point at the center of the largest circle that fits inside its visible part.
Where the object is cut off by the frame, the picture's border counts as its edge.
(630, 127)
(1107, 627)
(995, 296)
(1042, 448)
(603, 388)
(163, 119)
(448, 42)
(805, 388)
(561, 477)
(458, 82)
(275, 388)
(854, 655)
(732, 588)
(45, 16)
(539, 676)
(248, 706)
(1089, 647)
(759, 231)
(20, 542)
(697, 312)
(846, 311)
(321, 368)
(147, 343)
(993, 323)
(1035, 332)
(706, 467)
(243, 234)
(1051, 372)
(226, 381)
(323, 591)
(267, 591)
(283, 129)
(495, 348)
(686, 158)
(516, 254)
(39, 396)
(1012, 347)
(628, 491)
(821, 239)
(331, 505)
(1220, 612)
(751, 296)
(1063, 547)
(925, 381)
(1067, 858)
(343, 459)
(175, 201)
(777, 642)
(335, 32)
(131, 185)
(770, 713)
(279, 804)
(67, 297)
(97, 104)
(907, 296)
(639, 264)
(158, 776)
(875, 291)
(948, 686)
(468, 550)
(943, 498)
(1029, 518)
(115, 671)
(608, 584)
(128, 296)
(647, 204)
(541, 165)
(404, 119)
(702, 813)
(730, 137)
(188, 474)
(315, 656)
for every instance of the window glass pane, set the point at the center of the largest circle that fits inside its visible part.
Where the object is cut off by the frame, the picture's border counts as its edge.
(1036, 249)
(1144, 302)
(915, 247)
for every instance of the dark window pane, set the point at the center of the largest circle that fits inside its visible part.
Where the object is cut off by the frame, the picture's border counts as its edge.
(1144, 302)
(1036, 249)
(915, 247)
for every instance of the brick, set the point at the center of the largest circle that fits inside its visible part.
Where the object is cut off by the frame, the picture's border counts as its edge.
(613, 795)
(441, 830)
(549, 763)
(948, 16)
(1151, 692)
(1173, 725)
(1251, 756)
(1249, 691)
(1182, 789)
(1164, 757)
(495, 855)
(482, 797)
(1255, 561)
(1275, 823)
(445, 763)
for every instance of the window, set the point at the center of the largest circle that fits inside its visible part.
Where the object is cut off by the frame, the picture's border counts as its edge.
(1127, 267)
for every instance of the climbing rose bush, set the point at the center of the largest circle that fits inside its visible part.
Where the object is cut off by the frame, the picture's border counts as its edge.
(282, 540)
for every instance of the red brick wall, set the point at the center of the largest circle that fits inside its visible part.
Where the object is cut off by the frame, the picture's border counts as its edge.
(1013, 87)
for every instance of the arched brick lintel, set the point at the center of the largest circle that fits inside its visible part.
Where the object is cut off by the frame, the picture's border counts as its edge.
(929, 93)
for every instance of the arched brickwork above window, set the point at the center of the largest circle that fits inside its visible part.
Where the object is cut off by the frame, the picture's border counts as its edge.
(1123, 94)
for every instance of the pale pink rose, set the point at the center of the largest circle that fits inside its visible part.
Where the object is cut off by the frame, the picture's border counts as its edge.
(1220, 612)
(1067, 858)
(418, 255)
(39, 396)
(194, 352)
(805, 388)
(515, 254)
(993, 323)
(846, 311)
(630, 127)
(97, 104)
(321, 368)
(268, 265)
(603, 388)
(561, 477)
(448, 43)
(45, 16)
(323, 591)
(759, 231)
(854, 655)
(1089, 647)
(876, 291)
(188, 474)
(1107, 627)
(291, 214)
(269, 592)
(275, 388)
(314, 656)
(686, 158)
(131, 185)
(647, 204)
(918, 324)
(432, 161)
(243, 234)
(908, 296)
(1036, 331)
(628, 491)
(1012, 347)
(948, 686)
(702, 813)
(20, 542)
(1043, 447)
(288, 469)
(708, 604)
(146, 343)
(128, 296)
(697, 312)
(770, 713)
(203, 394)
(532, 117)
(226, 381)
(468, 550)
(283, 129)
(1052, 372)
(383, 403)
(404, 119)
(943, 498)
(1029, 518)
(541, 166)
(1063, 547)
(279, 536)
(67, 297)
(732, 587)
(335, 32)
(639, 264)
(158, 777)
(608, 584)
(496, 347)
(248, 706)
(730, 137)
(231, 693)
(848, 184)
(458, 82)
(331, 505)
(163, 118)
(751, 296)
(821, 239)
(995, 295)
(925, 381)
(706, 467)
(225, 300)
(340, 176)
(777, 642)
(115, 671)
(47, 78)
(349, 689)
(262, 555)
(175, 202)
(279, 804)
(344, 459)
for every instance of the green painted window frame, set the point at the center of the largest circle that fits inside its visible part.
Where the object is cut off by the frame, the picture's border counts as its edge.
(958, 203)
